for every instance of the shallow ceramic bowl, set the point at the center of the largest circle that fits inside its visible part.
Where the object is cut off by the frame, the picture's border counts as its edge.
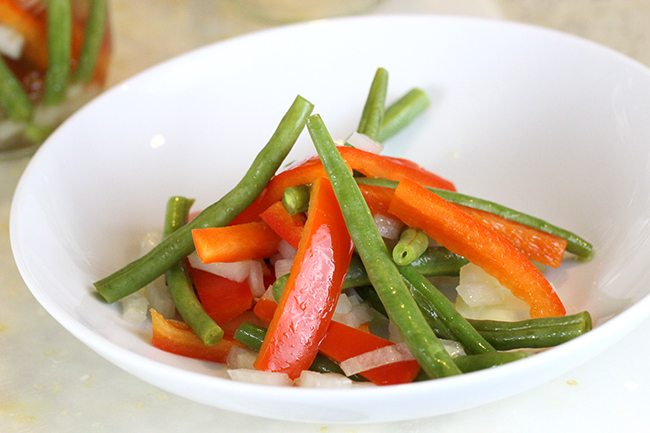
(538, 120)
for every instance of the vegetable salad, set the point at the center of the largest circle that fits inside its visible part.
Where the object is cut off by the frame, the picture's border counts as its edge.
(326, 273)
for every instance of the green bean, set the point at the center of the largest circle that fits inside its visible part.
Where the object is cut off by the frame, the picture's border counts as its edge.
(402, 112)
(296, 199)
(13, 98)
(575, 244)
(252, 337)
(469, 363)
(180, 283)
(59, 40)
(384, 276)
(412, 244)
(533, 333)
(278, 287)
(439, 262)
(178, 245)
(373, 112)
(427, 293)
(93, 37)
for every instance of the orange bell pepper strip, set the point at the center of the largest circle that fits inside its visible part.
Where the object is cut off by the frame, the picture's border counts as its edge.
(479, 243)
(373, 165)
(221, 298)
(264, 310)
(288, 227)
(313, 288)
(344, 342)
(235, 243)
(537, 245)
(33, 28)
(177, 337)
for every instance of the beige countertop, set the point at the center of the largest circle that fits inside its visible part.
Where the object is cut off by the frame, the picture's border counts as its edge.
(50, 382)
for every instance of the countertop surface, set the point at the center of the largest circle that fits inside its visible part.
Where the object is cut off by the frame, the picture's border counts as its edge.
(50, 382)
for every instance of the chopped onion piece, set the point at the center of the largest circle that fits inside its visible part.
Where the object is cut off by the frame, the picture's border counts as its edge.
(492, 312)
(363, 142)
(238, 357)
(479, 289)
(343, 306)
(312, 379)
(394, 334)
(259, 377)
(358, 315)
(389, 228)
(160, 298)
(236, 271)
(283, 267)
(11, 42)
(256, 279)
(354, 297)
(286, 250)
(376, 358)
(453, 348)
(135, 307)
(268, 294)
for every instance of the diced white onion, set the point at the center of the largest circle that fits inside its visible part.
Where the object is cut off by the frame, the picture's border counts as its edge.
(286, 250)
(238, 357)
(478, 288)
(339, 142)
(389, 228)
(492, 312)
(259, 377)
(394, 334)
(376, 358)
(453, 348)
(236, 271)
(283, 267)
(11, 42)
(160, 298)
(268, 294)
(312, 379)
(354, 297)
(135, 307)
(357, 316)
(363, 142)
(256, 279)
(343, 306)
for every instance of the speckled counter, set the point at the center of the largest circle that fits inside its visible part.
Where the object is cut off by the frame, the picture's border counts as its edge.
(50, 382)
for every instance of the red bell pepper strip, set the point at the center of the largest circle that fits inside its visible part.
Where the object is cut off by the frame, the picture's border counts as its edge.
(537, 245)
(479, 243)
(378, 198)
(177, 337)
(373, 165)
(344, 342)
(313, 288)
(235, 243)
(288, 227)
(222, 299)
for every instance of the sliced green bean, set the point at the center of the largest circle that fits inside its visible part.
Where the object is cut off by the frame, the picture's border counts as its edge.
(252, 337)
(469, 363)
(13, 98)
(384, 276)
(278, 287)
(427, 293)
(411, 245)
(296, 199)
(439, 262)
(180, 283)
(533, 333)
(59, 43)
(373, 112)
(575, 244)
(402, 112)
(93, 38)
(178, 245)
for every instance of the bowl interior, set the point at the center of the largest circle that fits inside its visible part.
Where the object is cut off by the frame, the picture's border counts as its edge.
(539, 121)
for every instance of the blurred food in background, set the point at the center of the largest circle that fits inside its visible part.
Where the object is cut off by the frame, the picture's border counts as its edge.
(54, 58)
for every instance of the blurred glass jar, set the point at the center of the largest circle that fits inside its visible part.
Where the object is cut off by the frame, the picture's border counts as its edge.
(285, 11)
(54, 59)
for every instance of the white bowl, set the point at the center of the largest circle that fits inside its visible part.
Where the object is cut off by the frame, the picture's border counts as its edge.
(538, 120)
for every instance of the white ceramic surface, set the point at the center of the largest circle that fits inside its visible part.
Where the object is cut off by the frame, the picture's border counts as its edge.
(544, 122)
